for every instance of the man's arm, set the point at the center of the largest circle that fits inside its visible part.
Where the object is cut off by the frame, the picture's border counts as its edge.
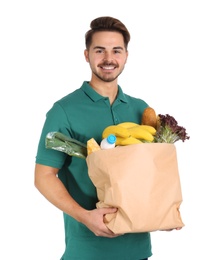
(51, 187)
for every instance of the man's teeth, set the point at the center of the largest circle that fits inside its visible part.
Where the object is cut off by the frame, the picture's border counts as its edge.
(108, 68)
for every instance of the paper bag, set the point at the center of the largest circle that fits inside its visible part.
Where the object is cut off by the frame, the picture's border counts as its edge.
(142, 181)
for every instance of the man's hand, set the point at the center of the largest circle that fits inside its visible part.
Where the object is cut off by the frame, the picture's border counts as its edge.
(94, 220)
(178, 228)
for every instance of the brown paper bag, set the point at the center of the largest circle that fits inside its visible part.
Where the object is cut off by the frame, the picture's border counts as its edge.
(142, 181)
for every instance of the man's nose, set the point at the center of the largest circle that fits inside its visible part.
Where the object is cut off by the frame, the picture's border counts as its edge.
(108, 57)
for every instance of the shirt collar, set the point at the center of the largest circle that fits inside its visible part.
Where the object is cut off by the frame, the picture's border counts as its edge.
(95, 96)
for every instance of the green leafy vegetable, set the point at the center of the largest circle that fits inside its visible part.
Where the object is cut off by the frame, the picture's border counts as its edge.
(168, 130)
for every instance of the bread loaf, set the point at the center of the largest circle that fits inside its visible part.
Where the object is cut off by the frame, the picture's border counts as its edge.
(149, 117)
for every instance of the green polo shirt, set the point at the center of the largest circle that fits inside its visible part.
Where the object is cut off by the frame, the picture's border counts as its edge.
(84, 114)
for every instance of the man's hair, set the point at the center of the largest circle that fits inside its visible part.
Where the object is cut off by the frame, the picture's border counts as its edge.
(106, 23)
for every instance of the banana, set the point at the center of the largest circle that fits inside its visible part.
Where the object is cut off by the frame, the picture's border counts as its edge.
(149, 128)
(130, 133)
(140, 133)
(119, 140)
(128, 124)
(130, 140)
(117, 130)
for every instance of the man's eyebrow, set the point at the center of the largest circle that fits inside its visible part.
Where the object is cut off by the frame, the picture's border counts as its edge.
(98, 47)
(118, 48)
(103, 48)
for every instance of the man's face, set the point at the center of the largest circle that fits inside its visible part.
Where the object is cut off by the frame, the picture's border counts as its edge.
(107, 55)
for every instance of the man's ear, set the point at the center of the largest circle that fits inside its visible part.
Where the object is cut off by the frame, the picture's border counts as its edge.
(127, 53)
(86, 54)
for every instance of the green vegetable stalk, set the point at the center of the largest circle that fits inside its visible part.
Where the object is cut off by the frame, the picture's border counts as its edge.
(60, 142)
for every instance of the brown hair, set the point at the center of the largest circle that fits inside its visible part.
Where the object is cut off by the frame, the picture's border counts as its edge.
(107, 23)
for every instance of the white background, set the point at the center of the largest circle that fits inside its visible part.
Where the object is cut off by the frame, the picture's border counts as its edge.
(173, 65)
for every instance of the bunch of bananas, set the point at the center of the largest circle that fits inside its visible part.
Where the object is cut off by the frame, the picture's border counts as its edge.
(130, 133)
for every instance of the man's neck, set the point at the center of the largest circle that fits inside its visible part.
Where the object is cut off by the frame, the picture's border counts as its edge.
(105, 89)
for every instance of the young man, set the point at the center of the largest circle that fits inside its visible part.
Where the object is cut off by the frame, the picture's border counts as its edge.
(84, 114)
